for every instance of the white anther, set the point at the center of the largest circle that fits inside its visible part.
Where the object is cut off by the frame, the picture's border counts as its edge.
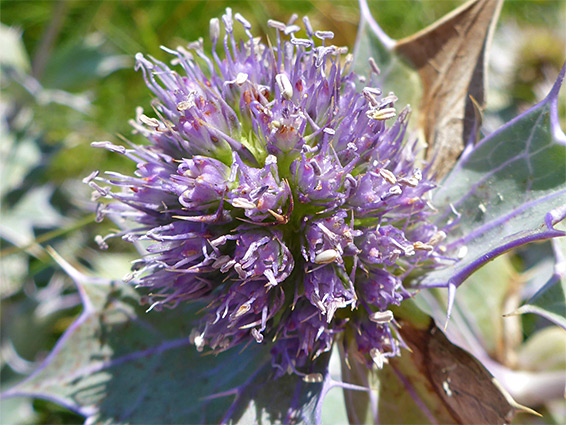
(227, 266)
(411, 181)
(395, 190)
(243, 21)
(221, 240)
(381, 114)
(388, 176)
(241, 78)
(308, 26)
(409, 250)
(214, 29)
(292, 19)
(197, 339)
(377, 357)
(184, 105)
(313, 378)
(227, 19)
(291, 29)
(350, 179)
(374, 66)
(91, 177)
(240, 270)
(418, 174)
(141, 61)
(462, 252)
(421, 246)
(437, 238)
(257, 336)
(390, 99)
(382, 316)
(305, 42)
(243, 309)
(371, 95)
(243, 203)
(324, 34)
(309, 149)
(101, 242)
(276, 24)
(373, 90)
(128, 278)
(220, 261)
(330, 131)
(197, 45)
(151, 122)
(272, 282)
(326, 256)
(270, 160)
(285, 86)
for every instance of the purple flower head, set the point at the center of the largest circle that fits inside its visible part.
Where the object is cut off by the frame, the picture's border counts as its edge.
(277, 193)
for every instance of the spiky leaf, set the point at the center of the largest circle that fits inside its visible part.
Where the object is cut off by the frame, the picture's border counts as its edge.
(117, 365)
(550, 300)
(504, 193)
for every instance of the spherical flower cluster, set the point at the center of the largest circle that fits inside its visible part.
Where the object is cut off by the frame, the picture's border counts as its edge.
(273, 190)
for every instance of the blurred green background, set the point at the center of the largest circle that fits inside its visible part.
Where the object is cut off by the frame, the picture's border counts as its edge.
(67, 79)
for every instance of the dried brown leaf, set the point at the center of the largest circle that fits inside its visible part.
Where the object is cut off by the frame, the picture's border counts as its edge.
(461, 386)
(450, 58)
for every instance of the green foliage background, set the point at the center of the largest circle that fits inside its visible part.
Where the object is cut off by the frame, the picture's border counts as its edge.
(86, 48)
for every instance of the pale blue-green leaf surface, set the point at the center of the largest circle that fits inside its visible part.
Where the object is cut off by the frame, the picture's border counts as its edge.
(17, 411)
(550, 300)
(508, 190)
(481, 301)
(19, 220)
(81, 63)
(117, 365)
(285, 400)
